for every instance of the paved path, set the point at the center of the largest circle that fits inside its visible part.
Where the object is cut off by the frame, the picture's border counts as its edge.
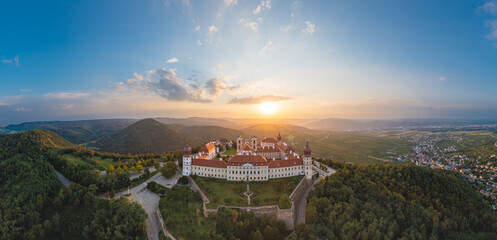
(149, 202)
(302, 202)
(63, 179)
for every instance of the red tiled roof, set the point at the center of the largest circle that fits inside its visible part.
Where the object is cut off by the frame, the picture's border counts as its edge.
(239, 160)
(208, 147)
(269, 140)
(202, 157)
(268, 149)
(209, 163)
(291, 156)
(285, 163)
(247, 147)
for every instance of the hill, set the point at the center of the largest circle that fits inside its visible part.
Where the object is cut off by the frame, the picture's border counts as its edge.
(76, 132)
(199, 121)
(30, 142)
(145, 136)
(200, 134)
(398, 202)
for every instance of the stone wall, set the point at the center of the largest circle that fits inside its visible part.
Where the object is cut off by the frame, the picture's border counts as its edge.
(196, 188)
(286, 215)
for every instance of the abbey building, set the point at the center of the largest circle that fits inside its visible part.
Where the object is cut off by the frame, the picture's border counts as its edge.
(254, 161)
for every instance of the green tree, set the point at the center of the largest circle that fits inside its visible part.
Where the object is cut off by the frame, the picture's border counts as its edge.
(284, 202)
(169, 169)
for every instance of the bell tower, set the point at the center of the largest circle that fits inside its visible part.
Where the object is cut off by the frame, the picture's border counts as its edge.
(239, 143)
(254, 143)
(307, 160)
(187, 160)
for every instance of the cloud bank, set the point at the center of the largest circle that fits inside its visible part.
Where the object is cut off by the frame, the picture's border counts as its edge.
(257, 99)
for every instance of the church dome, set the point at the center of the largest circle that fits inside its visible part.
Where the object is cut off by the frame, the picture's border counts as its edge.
(307, 150)
(187, 151)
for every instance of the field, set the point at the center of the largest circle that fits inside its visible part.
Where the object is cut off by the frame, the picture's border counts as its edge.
(230, 193)
(475, 144)
(358, 147)
(101, 163)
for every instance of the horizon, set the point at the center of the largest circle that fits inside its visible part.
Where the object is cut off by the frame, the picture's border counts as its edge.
(236, 59)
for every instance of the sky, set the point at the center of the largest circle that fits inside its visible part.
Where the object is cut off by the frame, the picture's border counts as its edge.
(67, 60)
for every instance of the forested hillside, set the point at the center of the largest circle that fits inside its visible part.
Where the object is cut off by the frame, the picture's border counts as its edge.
(145, 136)
(35, 205)
(398, 202)
(77, 132)
(30, 142)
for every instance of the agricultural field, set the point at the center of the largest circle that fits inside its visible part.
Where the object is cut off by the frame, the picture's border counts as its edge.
(359, 147)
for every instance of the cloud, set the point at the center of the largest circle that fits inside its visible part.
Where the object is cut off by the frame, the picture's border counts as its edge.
(14, 60)
(212, 29)
(197, 28)
(172, 60)
(215, 86)
(199, 43)
(310, 29)
(164, 83)
(489, 7)
(230, 2)
(252, 25)
(264, 5)
(492, 24)
(66, 95)
(257, 99)
(268, 46)
(443, 78)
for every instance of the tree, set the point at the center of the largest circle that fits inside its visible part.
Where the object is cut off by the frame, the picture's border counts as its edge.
(303, 231)
(256, 235)
(284, 202)
(169, 169)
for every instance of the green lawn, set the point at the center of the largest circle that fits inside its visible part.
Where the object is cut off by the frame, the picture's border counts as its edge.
(181, 209)
(231, 151)
(102, 163)
(223, 192)
(269, 192)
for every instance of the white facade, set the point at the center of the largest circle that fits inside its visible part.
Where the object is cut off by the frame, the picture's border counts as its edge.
(187, 165)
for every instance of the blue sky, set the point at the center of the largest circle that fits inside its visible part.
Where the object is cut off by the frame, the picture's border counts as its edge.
(317, 59)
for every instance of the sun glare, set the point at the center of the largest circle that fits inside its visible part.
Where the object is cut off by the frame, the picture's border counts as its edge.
(268, 108)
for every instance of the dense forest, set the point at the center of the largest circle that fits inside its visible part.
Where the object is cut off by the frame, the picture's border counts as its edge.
(35, 205)
(397, 202)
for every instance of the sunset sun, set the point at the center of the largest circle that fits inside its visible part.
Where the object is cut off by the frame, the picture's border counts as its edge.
(268, 108)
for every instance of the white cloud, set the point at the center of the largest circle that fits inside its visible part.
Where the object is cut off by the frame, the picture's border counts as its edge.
(15, 61)
(212, 29)
(199, 43)
(264, 5)
(310, 29)
(492, 24)
(230, 2)
(66, 95)
(197, 28)
(172, 60)
(252, 25)
(443, 78)
(268, 46)
(489, 7)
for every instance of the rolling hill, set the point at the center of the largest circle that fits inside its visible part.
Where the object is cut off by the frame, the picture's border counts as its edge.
(30, 142)
(77, 132)
(145, 136)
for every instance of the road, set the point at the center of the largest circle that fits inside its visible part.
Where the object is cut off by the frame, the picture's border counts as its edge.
(63, 179)
(150, 201)
(302, 203)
